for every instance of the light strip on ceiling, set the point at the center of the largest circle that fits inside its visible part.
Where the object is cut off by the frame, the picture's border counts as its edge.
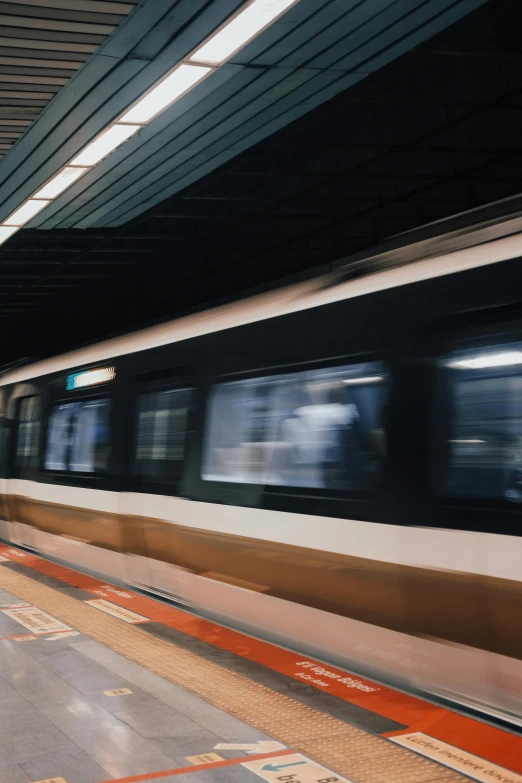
(105, 144)
(242, 28)
(25, 213)
(6, 232)
(169, 90)
(60, 182)
(254, 17)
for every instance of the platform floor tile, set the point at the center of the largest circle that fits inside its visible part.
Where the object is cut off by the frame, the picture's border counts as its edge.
(107, 700)
(57, 721)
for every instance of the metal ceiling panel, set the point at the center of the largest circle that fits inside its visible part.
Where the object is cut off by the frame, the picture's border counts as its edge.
(225, 139)
(316, 50)
(39, 40)
(100, 91)
(150, 186)
(391, 25)
(234, 105)
(326, 27)
(151, 143)
(172, 178)
(54, 125)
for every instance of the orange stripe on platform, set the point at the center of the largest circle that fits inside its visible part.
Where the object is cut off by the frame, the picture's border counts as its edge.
(18, 636)
(199, 767)
(471, 735)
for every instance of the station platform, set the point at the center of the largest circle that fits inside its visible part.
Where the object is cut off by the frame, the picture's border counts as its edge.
(100, 683)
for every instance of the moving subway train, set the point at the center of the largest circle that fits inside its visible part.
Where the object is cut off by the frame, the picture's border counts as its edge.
(336, 466)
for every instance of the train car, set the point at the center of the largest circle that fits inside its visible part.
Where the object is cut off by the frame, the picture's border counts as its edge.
(335, 465)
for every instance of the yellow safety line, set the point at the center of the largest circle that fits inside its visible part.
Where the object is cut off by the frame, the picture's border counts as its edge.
(351, 752)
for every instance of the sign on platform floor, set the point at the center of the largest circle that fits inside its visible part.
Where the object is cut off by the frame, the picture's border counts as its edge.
(117, 611)
(35, 620)
(52, 780)
(204, 758)
(118, 692)
(459, 760)
(292, 768)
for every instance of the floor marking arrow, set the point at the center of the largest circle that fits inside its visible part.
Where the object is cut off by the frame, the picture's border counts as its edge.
(279, 767)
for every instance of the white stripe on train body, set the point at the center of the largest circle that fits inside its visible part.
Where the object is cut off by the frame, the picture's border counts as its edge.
(447, 550)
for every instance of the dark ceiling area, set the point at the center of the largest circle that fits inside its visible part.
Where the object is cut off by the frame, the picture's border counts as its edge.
(437, 132)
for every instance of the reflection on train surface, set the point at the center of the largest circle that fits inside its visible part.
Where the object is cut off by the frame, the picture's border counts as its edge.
(486, 442)
(338, 468)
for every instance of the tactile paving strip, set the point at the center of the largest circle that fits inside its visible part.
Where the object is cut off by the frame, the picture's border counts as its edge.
(351, 752)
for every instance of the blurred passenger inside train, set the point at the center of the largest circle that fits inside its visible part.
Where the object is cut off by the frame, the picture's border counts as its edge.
(325, 435)
(316, 429)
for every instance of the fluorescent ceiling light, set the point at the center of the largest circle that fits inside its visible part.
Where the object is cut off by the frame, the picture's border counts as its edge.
(60, 182)
(104, 144)
(241, 29)
(6, 232)
(167, 91)
(364, 380)
(234, 34)
(486, 360)
(25, 213)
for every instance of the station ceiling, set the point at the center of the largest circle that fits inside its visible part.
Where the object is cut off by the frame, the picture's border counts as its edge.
(292, 156)
(42, 45)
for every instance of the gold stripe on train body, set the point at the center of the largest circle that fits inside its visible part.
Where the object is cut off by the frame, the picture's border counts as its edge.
(353, 753)
(469, 609)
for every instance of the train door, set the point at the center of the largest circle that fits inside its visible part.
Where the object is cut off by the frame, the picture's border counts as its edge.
(160, 412)
(472, 493)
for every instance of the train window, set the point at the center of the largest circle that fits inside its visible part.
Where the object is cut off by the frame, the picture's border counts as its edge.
(320, 428)
(161, 433)
(28, 434)
(78, 437)
(485, 424)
